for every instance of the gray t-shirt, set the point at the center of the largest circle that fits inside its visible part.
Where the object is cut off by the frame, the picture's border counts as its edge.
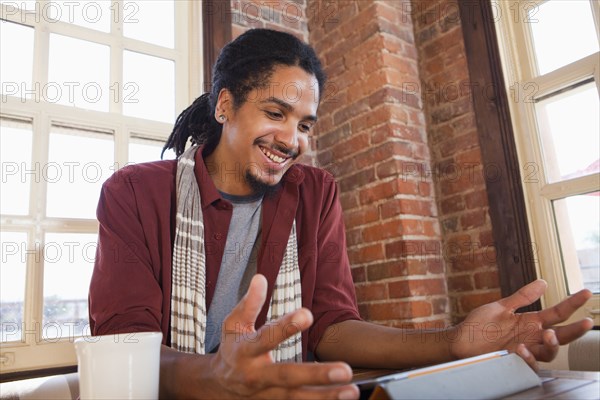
(238, 265)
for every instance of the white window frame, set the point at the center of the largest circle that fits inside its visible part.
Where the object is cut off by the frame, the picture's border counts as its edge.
(33, 352)
(521, 81)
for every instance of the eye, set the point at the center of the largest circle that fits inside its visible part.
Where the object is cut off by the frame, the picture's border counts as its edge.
(274, 114)
(305, 128)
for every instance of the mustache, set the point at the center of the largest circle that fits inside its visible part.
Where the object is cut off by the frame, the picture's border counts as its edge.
(290, 152)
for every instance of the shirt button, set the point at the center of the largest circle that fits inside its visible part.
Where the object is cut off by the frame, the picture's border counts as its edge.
(218, 236)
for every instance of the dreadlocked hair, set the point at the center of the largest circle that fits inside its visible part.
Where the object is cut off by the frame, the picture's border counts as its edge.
(245, 64)
(195, 122)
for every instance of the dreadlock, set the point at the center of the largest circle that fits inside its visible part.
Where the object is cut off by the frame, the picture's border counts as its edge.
(245, 64)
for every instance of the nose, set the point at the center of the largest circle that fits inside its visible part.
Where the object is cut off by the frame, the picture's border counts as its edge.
(287, 136)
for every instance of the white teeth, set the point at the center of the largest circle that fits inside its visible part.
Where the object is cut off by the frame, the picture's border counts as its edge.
(271, 156)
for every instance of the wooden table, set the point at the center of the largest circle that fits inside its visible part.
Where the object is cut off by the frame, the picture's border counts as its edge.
(557, 385)
(568, 385)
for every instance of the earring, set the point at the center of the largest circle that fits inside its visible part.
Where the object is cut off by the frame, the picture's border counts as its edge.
(222, 118)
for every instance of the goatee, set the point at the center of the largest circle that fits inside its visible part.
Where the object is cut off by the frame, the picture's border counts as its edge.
(260, 187)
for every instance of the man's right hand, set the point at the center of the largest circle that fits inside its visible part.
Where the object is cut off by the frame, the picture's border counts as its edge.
(243, 366)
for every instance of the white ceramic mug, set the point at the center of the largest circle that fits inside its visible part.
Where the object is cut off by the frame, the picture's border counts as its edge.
(119, 366)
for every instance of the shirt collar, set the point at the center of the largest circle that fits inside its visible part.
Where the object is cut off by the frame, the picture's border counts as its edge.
(208, 191)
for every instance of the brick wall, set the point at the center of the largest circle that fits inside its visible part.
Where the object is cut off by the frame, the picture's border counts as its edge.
(456, 167)
(370, 133)
(284, 15)
(397, 129)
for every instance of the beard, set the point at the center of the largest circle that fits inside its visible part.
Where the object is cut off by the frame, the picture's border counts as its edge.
(260, 187)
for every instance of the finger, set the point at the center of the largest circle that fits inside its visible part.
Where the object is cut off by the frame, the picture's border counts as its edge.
(568, 333)
(244, 314)
(526, 355)
(548, 349)
(273, 333)
(525, 295)
(302, 374)
(563, 310)
(346, 392)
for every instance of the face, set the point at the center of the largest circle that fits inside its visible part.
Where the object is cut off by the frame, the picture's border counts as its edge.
(265, 136)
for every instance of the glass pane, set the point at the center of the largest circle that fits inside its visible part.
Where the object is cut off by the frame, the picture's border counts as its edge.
(16, 60)
(569, 124)
(68, 265)
(563, 32)
(143, 150)
(91, 14)
(78, 73)
(17, 171)
(79, 162)
(12, 284)
(578, 223)
(149, 87)
(150, 21)
(18, 4)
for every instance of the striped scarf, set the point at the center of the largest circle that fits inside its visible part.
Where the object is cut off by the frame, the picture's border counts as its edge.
(188, 294)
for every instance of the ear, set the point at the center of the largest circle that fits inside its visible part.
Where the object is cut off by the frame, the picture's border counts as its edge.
(224, 104)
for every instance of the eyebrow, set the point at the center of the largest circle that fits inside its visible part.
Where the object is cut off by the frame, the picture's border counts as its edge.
(288, 107)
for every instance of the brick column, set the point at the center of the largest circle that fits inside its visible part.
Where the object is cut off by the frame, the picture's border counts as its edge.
(457, 167)
(282, 15)
(372, 136)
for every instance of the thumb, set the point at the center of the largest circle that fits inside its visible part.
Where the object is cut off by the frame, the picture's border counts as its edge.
(247, 310)
(526, 295)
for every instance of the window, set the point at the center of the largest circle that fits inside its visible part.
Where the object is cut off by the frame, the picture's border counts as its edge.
(86, 88)
(552, 72)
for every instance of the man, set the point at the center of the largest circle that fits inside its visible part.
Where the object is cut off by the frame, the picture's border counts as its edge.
(180, 243)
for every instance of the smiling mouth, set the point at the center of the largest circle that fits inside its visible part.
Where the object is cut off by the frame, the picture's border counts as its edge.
(273, 157)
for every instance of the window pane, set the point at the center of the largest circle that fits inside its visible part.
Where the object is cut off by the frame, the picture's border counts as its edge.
(68, 265)
(22, 4)
(78, 73)
(17, 171)
(149, 87)
(150, 21)
(91, 14)
(578, 225)
(143, 150)
(79, 162)
(569, 124)
(563, 32)
(12, 283)
(16, 59)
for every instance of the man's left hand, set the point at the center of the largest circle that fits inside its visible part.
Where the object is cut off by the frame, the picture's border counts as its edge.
(532, 335)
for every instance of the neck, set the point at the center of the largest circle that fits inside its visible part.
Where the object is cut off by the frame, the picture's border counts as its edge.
(228, 176)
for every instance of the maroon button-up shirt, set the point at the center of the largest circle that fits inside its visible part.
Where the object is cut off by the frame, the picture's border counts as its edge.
(130, 289)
